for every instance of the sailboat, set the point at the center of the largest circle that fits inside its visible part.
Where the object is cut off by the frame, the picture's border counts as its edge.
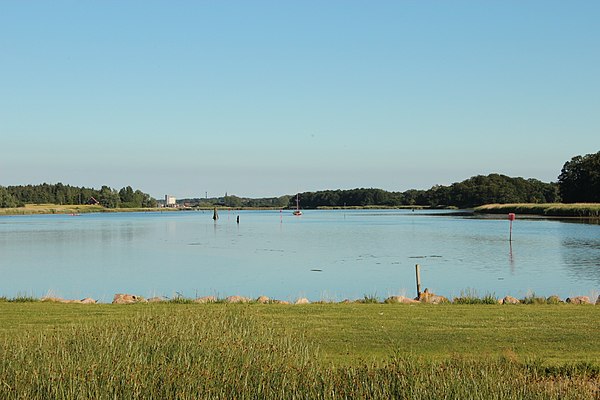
(297, 210)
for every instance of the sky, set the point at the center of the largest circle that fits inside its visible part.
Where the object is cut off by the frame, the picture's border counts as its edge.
(266, 98)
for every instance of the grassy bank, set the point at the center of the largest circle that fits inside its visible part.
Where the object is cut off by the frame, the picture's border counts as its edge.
(326, 351)
(30, 209)
(582, 210)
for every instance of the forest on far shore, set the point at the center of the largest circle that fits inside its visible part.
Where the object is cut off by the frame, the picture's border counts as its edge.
(18, 196)
(578, 182)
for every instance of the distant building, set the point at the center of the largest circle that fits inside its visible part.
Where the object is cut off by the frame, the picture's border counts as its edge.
(170, 201)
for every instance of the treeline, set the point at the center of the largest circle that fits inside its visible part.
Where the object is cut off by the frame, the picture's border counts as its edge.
(579, 181)
(18, 196)
(237, 202)
(478, 190)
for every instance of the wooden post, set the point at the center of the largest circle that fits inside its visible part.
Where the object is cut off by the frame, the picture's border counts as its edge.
(417, 270)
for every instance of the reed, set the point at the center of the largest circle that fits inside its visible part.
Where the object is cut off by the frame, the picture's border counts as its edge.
(22, 298)
(470, 296)
(581, 210)
(532, 298)
(369, 299)
(180, 299)
(31, 209)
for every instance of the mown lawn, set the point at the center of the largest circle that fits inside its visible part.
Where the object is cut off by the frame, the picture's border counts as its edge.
(346, 333)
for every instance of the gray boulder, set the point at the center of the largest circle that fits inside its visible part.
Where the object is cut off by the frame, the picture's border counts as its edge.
(400, 299)
(237, 299)
(121, 298)
(205, 299)
(431, 298)
(579, 300)
(510, 300)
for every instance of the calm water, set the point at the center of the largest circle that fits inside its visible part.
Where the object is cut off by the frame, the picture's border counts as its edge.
(321, 255)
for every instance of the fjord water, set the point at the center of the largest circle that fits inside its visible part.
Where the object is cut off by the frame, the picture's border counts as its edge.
(322, 255)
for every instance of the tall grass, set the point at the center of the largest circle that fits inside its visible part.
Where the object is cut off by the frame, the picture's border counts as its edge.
(532, 298)
(369, 299)
(23, 298)
(470, 296)
(584, 210)
(182, 354)
(180, 299)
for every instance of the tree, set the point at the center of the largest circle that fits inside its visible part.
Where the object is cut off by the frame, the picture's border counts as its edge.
(579, 179)
(6, 199)
(127, 197)
(232, 201)
(147, 200)
(108, 197)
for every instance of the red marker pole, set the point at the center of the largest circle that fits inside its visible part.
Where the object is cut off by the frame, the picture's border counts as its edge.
(511, 218)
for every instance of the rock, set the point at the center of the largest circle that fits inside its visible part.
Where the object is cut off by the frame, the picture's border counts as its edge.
(121, 298)
(263, 300)
(400, 299)
(554, 300)
(345, 301)
(579, 300)
(510, 300)
(52, 299)
(302, 300)
(157, 299)
(280, 302)
(205, 299)
(431, 298)
(237, 299)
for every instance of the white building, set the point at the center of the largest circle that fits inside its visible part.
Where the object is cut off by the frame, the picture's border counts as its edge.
(170, 201)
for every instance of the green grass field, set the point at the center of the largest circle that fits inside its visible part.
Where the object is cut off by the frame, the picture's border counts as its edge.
(330, 351)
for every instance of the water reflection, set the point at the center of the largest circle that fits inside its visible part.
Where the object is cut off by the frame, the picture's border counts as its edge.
(511, 259)
(582, 257)
(273, 253)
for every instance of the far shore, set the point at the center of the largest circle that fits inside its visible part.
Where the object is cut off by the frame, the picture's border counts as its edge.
(546, 210)
(574, 210)
(32, 209)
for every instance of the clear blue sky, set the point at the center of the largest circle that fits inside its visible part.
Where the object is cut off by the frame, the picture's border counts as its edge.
(264, 98)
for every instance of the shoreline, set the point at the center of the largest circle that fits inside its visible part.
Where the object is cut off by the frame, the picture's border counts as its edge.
(425, 297)
(51, 209)
(575, 211)
(549, 210)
